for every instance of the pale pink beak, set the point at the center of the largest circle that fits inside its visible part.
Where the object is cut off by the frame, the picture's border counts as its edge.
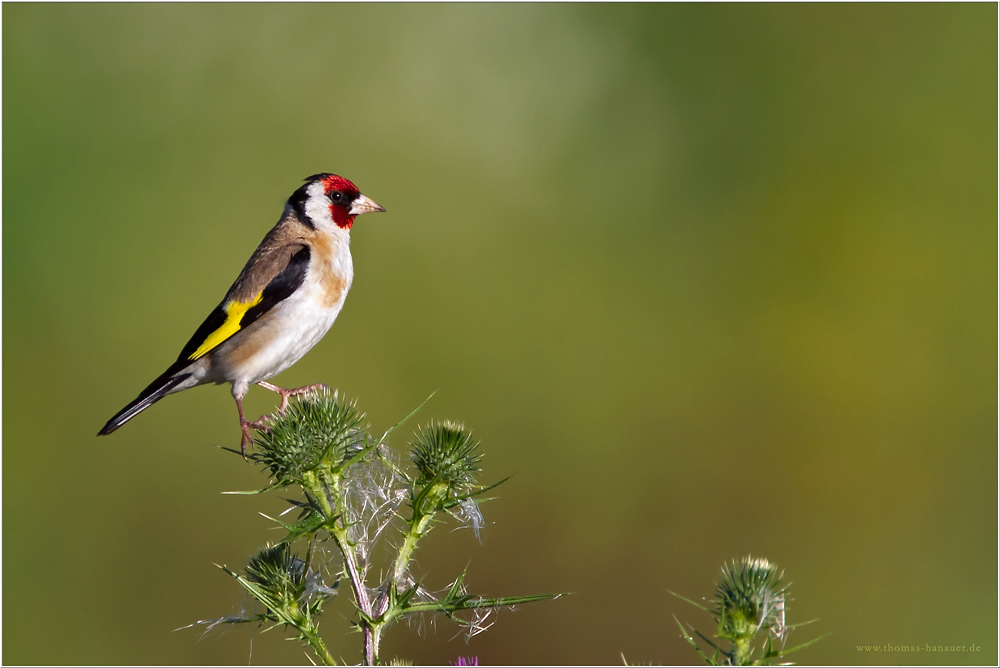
(362, 204)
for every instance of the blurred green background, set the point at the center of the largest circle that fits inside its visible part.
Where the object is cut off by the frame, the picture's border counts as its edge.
(706, 280)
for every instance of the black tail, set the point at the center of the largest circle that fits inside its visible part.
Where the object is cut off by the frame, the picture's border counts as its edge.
(158, 389)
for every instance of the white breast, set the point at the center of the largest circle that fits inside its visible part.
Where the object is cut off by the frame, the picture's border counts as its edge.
(282, 336)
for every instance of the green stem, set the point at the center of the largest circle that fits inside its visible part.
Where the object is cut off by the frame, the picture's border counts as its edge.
(418, 527)
(381, 605)
(376, 638)
(312, 637)
(741, 651)
(339, 533)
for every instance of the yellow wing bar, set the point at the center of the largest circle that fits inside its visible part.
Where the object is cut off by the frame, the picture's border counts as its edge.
(234, 314)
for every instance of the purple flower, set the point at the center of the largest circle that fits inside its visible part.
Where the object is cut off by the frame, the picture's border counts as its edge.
(462, 661)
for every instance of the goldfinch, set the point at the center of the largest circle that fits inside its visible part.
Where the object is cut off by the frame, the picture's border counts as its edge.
(283, 302)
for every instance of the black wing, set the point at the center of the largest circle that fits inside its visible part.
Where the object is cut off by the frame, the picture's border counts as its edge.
(232, 316)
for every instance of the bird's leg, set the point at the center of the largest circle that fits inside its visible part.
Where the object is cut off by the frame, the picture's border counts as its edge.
(246, 426)
(285, 394)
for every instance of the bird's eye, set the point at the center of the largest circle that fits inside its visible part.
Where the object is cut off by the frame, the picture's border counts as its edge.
(336, 196)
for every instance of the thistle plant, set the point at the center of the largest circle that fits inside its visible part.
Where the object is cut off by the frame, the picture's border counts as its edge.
(354, 488)
(749, 611)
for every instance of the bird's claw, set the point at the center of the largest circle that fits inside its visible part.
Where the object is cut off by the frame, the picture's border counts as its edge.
(260, 424)
(287, 394)
(247, 438)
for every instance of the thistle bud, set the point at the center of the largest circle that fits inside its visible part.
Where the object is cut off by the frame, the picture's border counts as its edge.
(318, 431)
(749, 597)
(444, 455)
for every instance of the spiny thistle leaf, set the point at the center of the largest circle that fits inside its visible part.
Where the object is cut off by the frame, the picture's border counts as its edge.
(318, 430)
(691, 641)
(803, 645)
(686, 599)
(456, 599)
(307, 524)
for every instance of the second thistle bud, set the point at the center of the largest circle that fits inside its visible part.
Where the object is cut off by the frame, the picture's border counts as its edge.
(446, 461)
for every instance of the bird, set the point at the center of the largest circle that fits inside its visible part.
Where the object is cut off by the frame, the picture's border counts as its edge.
(283, 302)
